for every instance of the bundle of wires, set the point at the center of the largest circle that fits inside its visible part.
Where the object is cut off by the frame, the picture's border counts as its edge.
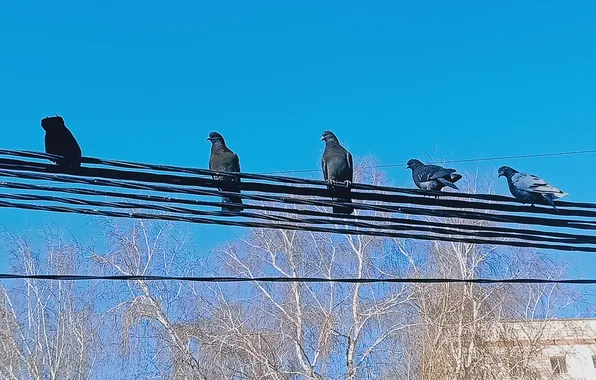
(146, 191)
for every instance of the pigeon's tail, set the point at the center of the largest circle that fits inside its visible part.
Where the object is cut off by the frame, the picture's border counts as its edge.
(341, 194)
(343, 209)
(549, 200)
(455, 177)
(236, 200)
(447, 183)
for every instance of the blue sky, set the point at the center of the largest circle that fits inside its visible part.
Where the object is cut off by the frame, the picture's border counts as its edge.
(146, 81)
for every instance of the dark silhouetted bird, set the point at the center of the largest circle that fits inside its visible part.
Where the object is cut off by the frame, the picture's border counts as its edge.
(432, 177)
(337, 167)
(530, 189)
(222, 159)
(61, 142)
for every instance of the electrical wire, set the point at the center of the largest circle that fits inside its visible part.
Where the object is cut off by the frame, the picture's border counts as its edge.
(295, 211)
(296, 192)
(294, 227)
(204, 172)
(419, 211)
(570, 239)
(292, 190)
(231, 279)
(301, 195)
(478, 159)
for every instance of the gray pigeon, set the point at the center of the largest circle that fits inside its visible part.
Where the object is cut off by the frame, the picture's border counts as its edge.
(60, 141)
(337, 166)
(432, 177)
(222, 159)
(530, 189)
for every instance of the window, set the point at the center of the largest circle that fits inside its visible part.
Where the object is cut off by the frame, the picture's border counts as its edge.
(559, 364)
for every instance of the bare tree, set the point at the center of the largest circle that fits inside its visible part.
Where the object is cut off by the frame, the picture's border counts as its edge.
(48, 329)
(307, 330)
(138, 248)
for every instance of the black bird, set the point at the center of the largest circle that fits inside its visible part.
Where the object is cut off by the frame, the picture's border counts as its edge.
(60, 141)
(529, 188)
(222, 159)
(337, 166)
(432, 177)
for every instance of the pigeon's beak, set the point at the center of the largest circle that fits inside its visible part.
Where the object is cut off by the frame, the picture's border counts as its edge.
(322, 138)
(208, 139)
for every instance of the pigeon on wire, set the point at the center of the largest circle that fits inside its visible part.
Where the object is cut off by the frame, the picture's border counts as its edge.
(530, 189)
(337, 167)
(432, 177)
(222, 159)
(60, 141)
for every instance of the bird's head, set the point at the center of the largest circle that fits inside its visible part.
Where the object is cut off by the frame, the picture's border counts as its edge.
(52, 122)
(413, 163)
(506, 171)
(215, 137)
(328, 136)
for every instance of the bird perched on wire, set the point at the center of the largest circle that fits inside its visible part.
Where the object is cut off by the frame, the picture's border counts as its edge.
(529, 188)
(337, 167)
(222, 159)
(432, 177)
(60, 141)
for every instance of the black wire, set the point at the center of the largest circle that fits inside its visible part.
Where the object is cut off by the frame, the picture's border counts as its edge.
(7, 276)
(282, 179)
(293, 227)
(398, 221)
(483, 216)
(497, 158)
(152, 178)
(308, 221)
(14, 165)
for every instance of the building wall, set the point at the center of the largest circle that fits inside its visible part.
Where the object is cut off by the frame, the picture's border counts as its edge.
(573, 339)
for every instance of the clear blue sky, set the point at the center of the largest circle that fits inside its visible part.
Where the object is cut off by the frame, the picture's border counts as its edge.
(147, 81)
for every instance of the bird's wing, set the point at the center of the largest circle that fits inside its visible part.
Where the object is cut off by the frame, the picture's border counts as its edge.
(235, 167)
(324, 167)
(427, 172)
(439, 171)
(350, 165)
(350, 161)
(534, 184)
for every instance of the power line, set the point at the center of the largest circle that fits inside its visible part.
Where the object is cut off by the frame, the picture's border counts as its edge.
(378, 232)
(299, 192)
(457, 209)
(413, 224)
(395, 225)
(375, 193)
(7, 276)
(194, 181)
(496, 158)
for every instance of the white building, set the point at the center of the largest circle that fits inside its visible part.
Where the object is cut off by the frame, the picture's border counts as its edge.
(560, 349)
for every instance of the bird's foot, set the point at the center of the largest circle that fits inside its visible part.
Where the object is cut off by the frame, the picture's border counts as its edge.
(348, 183)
